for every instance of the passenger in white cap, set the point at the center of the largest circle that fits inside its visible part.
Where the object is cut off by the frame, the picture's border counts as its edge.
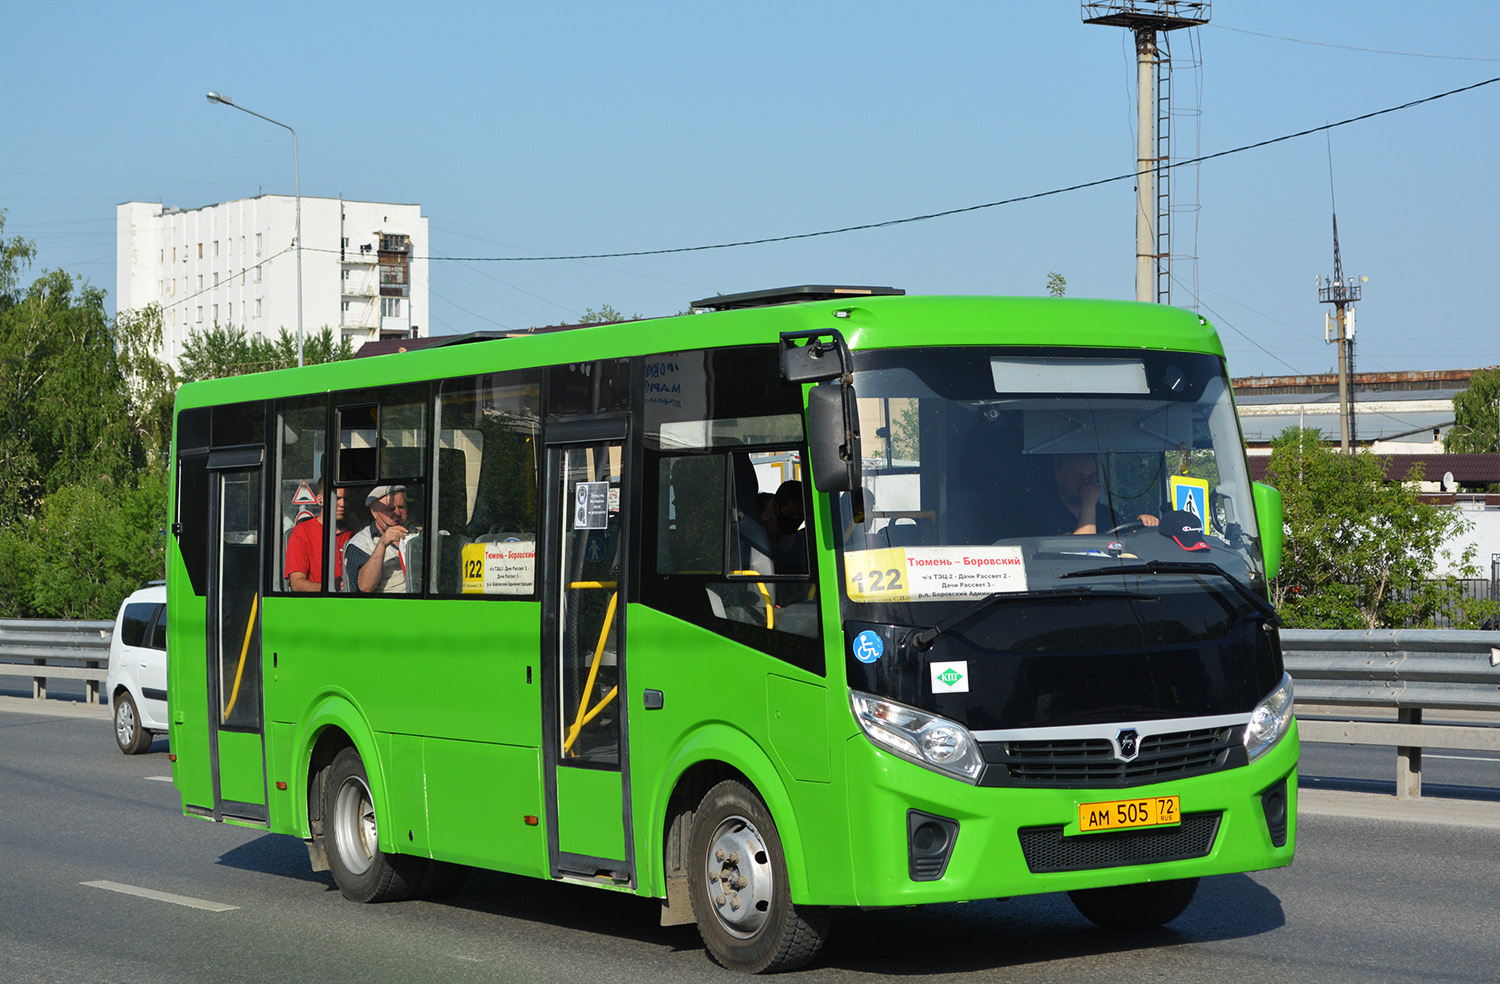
(377, 559)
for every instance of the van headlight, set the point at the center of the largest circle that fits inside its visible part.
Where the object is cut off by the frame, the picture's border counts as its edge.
(924, 739)
(1270, 719)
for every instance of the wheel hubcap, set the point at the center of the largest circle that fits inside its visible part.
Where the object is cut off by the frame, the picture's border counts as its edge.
(741, 885)
(124, 723)
(355, 835)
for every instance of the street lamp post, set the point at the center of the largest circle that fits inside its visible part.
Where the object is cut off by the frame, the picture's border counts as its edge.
(219, 97)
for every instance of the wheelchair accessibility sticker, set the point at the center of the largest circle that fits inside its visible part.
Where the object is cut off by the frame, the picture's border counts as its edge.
(868, 646)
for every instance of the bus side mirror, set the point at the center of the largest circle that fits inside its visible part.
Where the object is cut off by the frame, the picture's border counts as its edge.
(1268, 519)
(832, 439)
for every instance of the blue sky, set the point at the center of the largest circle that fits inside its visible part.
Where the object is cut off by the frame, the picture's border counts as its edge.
(580, 127)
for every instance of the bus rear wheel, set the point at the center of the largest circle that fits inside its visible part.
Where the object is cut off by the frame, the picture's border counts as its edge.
(362, 871)
(738, 885)
(1135, 906)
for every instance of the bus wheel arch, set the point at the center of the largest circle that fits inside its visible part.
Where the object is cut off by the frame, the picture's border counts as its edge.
(739, 886)
(363, 871)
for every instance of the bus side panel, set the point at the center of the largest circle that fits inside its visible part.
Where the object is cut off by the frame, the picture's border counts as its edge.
(460, 677)
(479, 797)
(716, 709)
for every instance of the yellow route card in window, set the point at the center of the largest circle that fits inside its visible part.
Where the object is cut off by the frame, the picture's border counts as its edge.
(925, 573)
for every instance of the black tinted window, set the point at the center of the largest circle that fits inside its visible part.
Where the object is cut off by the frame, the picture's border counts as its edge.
(133, 623)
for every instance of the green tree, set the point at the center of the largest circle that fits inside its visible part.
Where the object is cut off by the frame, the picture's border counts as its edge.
(1360, 550)
(83, 428)
(605, 315)
(1057, 284)
(220, 351)
(151, 383)
(1475, 415)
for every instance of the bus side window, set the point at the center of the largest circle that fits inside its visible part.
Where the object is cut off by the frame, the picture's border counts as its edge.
(486, 490)
(757, 591)
(382, 469)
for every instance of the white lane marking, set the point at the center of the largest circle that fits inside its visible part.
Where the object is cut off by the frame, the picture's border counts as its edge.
(159, 778)
(1464, 758)
(147, 893)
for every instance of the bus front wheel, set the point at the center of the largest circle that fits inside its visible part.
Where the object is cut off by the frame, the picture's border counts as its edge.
(363, 872)
(739, 890)
(1135, 906)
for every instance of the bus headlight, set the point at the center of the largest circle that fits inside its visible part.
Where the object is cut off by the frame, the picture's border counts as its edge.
(924, 739)
(1270, 719)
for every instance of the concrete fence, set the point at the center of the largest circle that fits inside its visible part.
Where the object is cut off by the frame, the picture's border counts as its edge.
(55, 649)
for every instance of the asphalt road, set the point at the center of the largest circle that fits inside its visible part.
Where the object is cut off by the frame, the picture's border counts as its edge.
(1381, 892)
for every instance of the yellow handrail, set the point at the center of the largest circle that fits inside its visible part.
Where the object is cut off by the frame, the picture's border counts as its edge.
(585, 715)
(234, 695)
(765, 593)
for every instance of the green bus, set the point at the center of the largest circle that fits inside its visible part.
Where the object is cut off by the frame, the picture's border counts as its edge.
(821, 597)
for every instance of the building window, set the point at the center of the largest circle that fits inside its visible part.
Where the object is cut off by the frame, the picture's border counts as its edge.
(200, 281)
(345, 274)
(216, 247)
(257, 244)
(216, 314)
(231, 312)
(216, 278)
(346, 307)
(390, 307)
(257, 274)
(200, 251)
(200, 314)
(344, 243)
(257, 307)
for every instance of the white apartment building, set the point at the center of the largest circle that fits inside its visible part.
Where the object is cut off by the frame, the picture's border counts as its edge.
(364, 267)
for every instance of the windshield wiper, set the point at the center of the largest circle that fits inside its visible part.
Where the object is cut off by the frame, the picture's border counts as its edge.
(1261, 605)
(922, 639)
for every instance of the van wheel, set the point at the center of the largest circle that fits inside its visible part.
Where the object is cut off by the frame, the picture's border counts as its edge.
(738, 885)
(129, 735)
(1135, 906)
(363, 872)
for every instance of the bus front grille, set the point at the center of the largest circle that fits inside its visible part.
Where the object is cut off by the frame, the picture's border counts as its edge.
(1086, 762)
(1046, 849)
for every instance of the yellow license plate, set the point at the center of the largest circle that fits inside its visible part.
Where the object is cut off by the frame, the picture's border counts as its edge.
(1150, 811)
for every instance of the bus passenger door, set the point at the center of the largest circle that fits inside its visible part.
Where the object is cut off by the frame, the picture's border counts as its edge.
(583, 645)
(237, 731)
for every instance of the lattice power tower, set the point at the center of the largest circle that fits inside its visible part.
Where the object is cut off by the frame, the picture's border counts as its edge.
(1153, 219)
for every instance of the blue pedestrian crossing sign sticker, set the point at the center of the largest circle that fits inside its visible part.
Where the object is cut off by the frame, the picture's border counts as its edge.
(868, 646)
(1190, 495)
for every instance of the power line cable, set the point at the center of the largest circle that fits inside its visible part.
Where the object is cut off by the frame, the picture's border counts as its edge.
(1350, 47)
(1130, 175)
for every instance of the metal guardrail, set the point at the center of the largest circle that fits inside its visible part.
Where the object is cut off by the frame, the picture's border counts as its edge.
(56, 649)
(1406, 670)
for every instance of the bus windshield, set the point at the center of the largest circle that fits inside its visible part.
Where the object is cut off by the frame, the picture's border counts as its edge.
(1010, 471)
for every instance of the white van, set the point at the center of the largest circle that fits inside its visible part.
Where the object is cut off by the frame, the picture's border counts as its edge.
(137, 680)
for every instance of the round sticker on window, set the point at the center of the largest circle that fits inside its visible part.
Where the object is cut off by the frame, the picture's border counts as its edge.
(868, 646)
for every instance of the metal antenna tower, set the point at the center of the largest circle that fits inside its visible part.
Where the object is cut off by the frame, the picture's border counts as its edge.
(1153, 220)
(1342, 292)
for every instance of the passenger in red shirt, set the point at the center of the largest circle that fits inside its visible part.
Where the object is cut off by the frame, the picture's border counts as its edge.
(304, 548)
